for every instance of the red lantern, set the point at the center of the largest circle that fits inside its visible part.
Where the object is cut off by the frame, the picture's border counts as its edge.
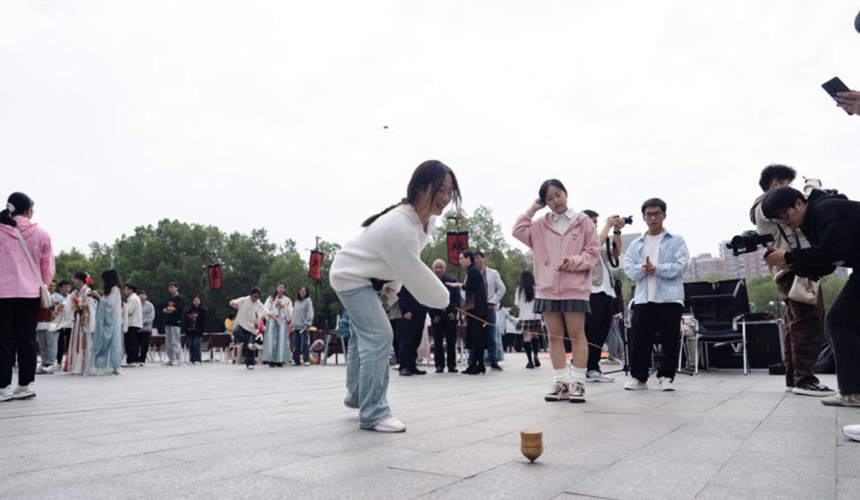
(215, 276)
(457, 243)
(315, 266)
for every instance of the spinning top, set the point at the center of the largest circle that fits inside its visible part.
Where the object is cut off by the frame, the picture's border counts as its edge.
(531, 443)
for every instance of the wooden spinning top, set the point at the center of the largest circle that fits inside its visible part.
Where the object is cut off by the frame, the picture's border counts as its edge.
(531, 443)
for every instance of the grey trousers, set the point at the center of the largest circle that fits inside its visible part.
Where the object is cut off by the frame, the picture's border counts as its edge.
(173, 343)
(47, 341)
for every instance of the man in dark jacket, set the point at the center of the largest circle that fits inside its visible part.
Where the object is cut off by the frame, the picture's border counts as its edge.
(831, 223)
(412, 330)
(444, 323)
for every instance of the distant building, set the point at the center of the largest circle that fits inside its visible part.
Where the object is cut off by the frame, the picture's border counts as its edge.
(705, 266)
(747, 265)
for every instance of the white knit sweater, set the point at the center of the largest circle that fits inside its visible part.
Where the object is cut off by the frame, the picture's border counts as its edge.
(390, 250)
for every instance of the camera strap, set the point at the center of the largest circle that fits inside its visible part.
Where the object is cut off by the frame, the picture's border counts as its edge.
(610, 252)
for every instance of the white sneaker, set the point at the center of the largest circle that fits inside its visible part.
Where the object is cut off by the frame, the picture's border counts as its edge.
(50, 369)
(852, 432)
(250, 367)
(6, 394)
(40, 370)
(307, 363)
(635, 385)
(390, 424)
(596, 376)
(665, 384)
(24, 392)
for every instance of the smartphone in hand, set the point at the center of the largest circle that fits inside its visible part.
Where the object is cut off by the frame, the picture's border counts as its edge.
(835, 85)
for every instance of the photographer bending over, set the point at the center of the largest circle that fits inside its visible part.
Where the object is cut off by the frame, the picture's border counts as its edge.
(831, 224)
(804, 319)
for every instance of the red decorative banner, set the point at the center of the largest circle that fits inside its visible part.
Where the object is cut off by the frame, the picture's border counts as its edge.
(457, 243)
(215, 276)
(315, 266)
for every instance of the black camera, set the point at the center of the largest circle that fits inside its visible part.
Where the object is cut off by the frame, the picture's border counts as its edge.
(748, 242)
(628, 220)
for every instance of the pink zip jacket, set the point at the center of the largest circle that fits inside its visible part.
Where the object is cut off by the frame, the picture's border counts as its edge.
(579, 244)
(16, 274)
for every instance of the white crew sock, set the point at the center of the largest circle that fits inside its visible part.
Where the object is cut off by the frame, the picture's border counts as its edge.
(561, 375)
(577, 374)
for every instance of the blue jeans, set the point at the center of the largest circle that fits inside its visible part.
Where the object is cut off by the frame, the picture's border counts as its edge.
(195, 348)
(367, 361)
(301, 346)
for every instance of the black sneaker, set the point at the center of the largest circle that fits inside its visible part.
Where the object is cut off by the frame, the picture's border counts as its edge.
(813, 389)
(440, 370)
(495, 366)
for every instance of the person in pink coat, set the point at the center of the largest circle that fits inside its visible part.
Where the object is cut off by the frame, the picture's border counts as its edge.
(565, 248)
(19, 293)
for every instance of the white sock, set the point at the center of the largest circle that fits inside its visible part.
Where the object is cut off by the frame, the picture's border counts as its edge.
(577, 374)
(561, 375)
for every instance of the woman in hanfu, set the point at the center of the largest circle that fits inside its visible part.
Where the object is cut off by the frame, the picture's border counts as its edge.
(276, 343)
(81, 338)
(106, 354)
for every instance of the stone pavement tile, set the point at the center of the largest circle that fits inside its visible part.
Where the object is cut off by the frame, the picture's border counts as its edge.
(250, 486)
(75, 473)
(116, 450)
(387, 484)
(779, 474)
(32, 446)
(738, 492)
(446, 439)
(75, 491)
(335, 443)
(820, 424)
(10, 466)
(794, 444)
(593, 452)
(719, 427)
(686, 448)
(465, 462)
(514, 481)
(343, 466)
(645, 479)
(848, 488)
(848, 461)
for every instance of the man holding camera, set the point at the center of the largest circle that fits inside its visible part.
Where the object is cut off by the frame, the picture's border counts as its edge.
(831, 224)
(656, 261)
(598, 321)
(804, 316)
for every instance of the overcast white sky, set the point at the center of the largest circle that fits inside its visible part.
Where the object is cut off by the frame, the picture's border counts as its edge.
(247, 114)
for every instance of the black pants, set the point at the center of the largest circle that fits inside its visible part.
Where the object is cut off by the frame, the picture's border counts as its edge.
(396, 327)
(410, 338)
(597, 324)
(445, 330)
(843, 330)
(655, 322)
(63, 344)
(131, 350)
(18, 338)
(143, 344)
(246, 338)
(195, 344)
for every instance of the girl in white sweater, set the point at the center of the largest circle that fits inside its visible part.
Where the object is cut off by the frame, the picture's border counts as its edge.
(388, 251)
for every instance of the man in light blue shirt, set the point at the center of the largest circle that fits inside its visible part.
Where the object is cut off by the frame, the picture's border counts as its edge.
(656, 261)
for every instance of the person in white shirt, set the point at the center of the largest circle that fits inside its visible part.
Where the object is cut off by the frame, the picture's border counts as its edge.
(134, 323)
(597, 322)
(64, 318)
(495, 292)
(250, 312)
(147, 318)
(388, 251)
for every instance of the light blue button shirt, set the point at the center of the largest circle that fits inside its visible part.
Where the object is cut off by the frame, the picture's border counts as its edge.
(672, 261)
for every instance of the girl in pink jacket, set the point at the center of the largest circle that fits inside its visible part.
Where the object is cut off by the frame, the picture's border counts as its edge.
(19, 293)
(565, 248)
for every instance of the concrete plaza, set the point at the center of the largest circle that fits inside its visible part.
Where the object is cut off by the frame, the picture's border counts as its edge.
(219, 431)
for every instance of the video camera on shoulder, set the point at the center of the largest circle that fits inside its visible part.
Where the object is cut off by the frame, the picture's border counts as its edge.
(748, 242)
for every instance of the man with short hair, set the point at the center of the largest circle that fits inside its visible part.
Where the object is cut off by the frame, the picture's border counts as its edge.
(411, 333)
(134, 315)
(656, 262)
(250, 311)
(831, 223)
(495, 292)
(804, 322)
(173, 325)
(147, 315)
(444, 323)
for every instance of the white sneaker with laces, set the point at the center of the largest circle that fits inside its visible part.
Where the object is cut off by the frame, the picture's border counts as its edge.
(635, 385)
(6, 394)
(665, 384)
(24, 392)
(596, 376)
(852, 432)
(390, 424)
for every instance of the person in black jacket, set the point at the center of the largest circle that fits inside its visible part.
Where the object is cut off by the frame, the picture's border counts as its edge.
(476, 306)
(195, 323)
(831, 223)
(412, 330)
(444, 323)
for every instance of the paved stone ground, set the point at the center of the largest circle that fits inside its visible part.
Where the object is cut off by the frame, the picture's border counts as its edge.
(220, 431)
